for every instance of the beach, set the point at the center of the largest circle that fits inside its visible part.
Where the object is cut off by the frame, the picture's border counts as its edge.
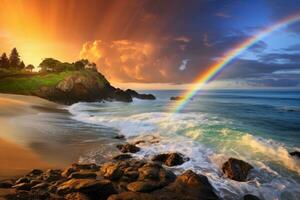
(15, 157)
(257, 127)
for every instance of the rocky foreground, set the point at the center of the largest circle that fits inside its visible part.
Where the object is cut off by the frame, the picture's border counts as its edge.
(124, 178)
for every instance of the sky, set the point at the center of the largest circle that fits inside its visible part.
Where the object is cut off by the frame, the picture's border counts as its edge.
(158, 44)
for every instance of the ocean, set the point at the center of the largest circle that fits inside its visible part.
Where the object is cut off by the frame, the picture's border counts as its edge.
(260, 127)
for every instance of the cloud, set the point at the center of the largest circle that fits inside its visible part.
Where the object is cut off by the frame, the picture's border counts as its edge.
(183, 39)
(273, 82)
(132, 61)
(184, 64)
(121, 59)
(206, 41)
(288, 71)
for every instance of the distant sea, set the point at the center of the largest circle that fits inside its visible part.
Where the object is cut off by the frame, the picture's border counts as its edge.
(257, 126)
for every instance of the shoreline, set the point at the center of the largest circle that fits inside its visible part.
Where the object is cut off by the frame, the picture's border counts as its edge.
(15, 157)
(61, 139)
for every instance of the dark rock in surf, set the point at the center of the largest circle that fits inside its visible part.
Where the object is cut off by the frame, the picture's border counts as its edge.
(250, 197)
(236, 169)
(295, 153)
(135, 94)
(170, 159)
(122, 157)
(128, 148)
(120, 137)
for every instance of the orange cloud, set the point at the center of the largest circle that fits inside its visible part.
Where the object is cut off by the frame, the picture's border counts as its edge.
(126, 60)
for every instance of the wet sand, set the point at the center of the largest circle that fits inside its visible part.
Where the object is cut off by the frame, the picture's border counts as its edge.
(16, 158)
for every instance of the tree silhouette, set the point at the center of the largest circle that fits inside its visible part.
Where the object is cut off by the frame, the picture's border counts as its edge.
(14, 59)
(4, 62)
(21, 65)
(29, 67)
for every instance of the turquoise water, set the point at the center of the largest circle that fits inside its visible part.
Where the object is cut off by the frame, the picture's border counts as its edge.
(260, 127)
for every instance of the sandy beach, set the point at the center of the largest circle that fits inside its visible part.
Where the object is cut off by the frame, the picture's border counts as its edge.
(16, 158)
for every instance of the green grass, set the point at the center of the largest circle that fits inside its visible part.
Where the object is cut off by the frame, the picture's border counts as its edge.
(26, 85)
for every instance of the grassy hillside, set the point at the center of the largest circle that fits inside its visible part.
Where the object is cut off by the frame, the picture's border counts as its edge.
(26, 84)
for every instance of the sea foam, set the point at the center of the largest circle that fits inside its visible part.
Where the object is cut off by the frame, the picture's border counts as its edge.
(199, 137)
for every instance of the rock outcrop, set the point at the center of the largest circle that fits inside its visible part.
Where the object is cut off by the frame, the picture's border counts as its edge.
(236, 169)
(78, 86)
(129, 179)
(189, 185)
(86, 86)
(135, 94)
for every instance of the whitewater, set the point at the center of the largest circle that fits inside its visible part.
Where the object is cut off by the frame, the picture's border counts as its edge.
(260, 127)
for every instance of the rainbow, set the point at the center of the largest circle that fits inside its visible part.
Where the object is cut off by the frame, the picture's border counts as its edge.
(214, 69)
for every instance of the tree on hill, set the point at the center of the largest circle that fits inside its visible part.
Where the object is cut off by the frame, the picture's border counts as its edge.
(14, 59)
(49, 65)
(79, 65)
(21, 66)
(29, 67)
(4, 62)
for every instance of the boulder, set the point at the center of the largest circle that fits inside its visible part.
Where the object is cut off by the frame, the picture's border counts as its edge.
(93, 189)
(22, 186)
(52, 175)
(111, 171)
(41, 186)
(152, 176)
(68, 171)
(35, 182)
(82, 175)
(295, 153)
(23, 180)
(150, 171)
(122, 157)
(35, 172)
(189, 186)
(88, 166)
(76, 196)
(130, 175)
(128, 148)
(250, 197)
(170, 159)
(132, 196)
(6, 184)
(236, 169)
(143, 186)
